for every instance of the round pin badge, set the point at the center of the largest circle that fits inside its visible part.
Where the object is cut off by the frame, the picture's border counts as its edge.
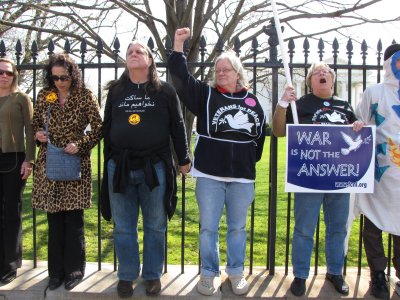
(134, 119)
(326, 103)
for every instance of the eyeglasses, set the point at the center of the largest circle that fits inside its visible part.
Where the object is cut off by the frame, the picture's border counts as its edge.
(62, 78)
(323, 71)
(8, 73)
(223, 71)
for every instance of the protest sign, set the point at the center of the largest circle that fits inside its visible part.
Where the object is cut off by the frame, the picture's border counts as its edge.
(330, 159)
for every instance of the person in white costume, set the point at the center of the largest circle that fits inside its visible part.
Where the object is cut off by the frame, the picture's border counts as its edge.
(380, 106)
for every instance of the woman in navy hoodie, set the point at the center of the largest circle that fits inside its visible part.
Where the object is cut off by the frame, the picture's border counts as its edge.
(231, 132)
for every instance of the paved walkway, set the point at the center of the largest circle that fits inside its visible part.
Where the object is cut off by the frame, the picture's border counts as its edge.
(31, 284)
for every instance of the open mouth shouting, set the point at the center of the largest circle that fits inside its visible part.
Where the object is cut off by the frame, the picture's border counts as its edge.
(322, 80)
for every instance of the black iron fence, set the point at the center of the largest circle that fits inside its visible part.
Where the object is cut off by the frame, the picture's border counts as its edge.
(256, 63)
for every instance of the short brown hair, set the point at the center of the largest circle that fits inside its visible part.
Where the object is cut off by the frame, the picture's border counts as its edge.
(318, 65)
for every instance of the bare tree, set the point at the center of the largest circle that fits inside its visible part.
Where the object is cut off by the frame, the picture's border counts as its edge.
(228, 21)
(42, 20)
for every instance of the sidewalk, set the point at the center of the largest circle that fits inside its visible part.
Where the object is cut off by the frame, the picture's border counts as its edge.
(31, 284)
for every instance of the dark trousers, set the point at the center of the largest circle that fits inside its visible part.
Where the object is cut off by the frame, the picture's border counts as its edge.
(11, 188)
(374, 250)
(66, 244)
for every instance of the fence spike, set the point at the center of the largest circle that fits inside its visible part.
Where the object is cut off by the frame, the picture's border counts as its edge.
(67, 46)
(379, 46)
(83, 46)
(220, 45)
(186, 47)
(364, 48)
(203, 42)
(99, 47)
(150, 44)
(168, 45)
(2, 49)
(51, 47)
(291, 46)
(254, 44)
(321, 47)
(349, 48)
(202, 45)
(335, 52)
(18, 51)
(116, 44)
(34, 50)
(237, 45)
(306, 48)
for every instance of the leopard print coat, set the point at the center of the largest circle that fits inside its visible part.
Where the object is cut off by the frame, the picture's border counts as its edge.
(67, 124)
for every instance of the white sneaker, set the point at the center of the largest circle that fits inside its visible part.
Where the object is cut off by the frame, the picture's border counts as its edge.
(205, 285)
(239, 284)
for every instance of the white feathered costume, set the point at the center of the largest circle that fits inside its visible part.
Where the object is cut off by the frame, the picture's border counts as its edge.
(381, 106)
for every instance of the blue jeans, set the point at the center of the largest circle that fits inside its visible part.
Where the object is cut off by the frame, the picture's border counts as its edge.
(212, 196)
(307, 208)
(125, 213)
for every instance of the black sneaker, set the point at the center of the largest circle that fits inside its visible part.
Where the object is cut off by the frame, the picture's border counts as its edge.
(9, 276)
(124, 289)
(298, 287)
(54, 283)
(339, 283)
(379, 287)
(153, 287)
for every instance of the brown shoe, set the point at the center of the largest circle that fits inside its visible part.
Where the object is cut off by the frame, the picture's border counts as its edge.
(153, 287)
(124, 289)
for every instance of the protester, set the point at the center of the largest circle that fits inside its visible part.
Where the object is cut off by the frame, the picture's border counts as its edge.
(142, 115)
(68, 108)
(17, 153)
(313, 108)
(231, 132)
(380, 106)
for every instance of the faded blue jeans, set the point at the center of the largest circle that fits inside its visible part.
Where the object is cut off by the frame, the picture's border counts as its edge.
(212, 196)
(125, 213)
(307, 208)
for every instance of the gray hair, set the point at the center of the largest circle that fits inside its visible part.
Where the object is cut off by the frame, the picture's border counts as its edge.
(236, 65)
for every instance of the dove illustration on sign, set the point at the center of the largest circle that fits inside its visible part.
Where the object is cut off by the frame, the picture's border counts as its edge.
(239, 121)
(353, 144)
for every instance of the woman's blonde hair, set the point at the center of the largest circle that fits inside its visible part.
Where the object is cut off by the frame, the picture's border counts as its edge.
(314, 67)
(14, 85)
(236, 65)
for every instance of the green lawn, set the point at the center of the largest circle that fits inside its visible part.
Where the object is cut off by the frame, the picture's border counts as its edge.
(191, 223)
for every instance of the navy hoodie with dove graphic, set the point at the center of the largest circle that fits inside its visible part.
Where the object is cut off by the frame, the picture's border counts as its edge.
(230, 126)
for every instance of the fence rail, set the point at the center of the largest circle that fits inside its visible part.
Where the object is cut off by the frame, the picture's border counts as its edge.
(255, 64)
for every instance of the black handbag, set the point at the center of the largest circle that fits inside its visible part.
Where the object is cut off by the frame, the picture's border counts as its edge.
(60, 166)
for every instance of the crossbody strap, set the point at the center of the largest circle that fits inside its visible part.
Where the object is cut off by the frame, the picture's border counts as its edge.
(47, 123)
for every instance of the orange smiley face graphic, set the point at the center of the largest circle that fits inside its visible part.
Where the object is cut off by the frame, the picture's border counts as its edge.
(134, 119)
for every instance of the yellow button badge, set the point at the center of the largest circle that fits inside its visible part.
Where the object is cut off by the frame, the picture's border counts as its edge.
(134, 119)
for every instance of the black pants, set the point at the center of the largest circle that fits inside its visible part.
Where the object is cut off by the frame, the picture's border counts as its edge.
(373, 244)
(11, 188)
(66, 245)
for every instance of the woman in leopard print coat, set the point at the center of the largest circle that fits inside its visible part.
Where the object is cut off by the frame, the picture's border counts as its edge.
(73, 108)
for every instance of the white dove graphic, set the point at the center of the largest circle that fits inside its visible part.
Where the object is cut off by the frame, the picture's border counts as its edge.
(334, 117)
(353, 144)
(239, 121)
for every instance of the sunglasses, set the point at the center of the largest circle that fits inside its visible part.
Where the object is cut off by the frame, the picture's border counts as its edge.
(8, 73)
(62, 78)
